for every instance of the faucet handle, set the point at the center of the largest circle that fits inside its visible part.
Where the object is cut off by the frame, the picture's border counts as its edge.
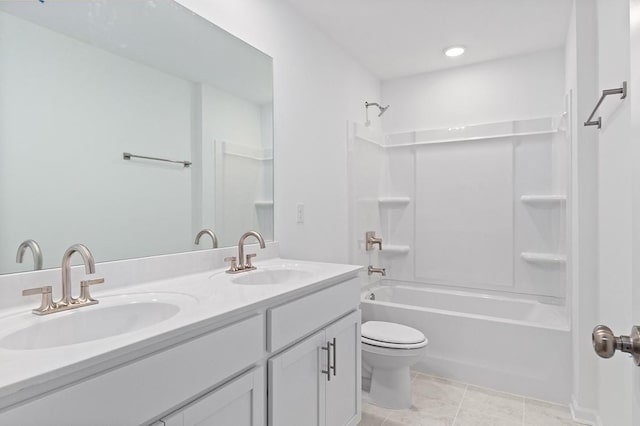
(248, 263)
(46, 304)
(37, 290)
(233, 267)
(85, 295)
(371, 240)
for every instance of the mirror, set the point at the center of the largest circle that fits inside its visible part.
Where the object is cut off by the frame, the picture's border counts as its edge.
(82, 83)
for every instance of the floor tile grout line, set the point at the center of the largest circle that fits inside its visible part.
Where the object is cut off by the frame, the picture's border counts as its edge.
(455, 418)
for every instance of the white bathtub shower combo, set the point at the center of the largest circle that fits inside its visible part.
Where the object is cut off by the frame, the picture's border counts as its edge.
(473, 224)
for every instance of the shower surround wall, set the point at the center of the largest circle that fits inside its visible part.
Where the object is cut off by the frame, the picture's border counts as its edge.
(483, 209)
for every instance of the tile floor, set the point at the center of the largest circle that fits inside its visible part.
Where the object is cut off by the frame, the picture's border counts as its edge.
(440, 402)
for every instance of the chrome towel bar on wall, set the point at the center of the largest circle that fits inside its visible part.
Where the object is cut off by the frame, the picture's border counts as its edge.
(129, 156)
(618, 91)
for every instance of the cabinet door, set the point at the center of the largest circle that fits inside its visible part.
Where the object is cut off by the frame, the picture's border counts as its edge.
(238, 403)
(343, 397)
(297, 384)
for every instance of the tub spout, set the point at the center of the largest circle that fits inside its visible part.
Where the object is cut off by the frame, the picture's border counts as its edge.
(371, 270)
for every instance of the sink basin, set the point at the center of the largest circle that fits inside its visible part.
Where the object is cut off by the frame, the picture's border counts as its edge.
(271, 276)
(114, 315)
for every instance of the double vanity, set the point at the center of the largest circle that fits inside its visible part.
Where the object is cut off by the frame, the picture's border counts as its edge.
(276, 345)
(172, 118)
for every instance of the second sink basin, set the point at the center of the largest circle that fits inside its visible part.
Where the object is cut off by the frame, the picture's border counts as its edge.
(113, 316)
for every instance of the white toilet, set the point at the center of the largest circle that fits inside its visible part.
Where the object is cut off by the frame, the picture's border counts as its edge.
(388, 352)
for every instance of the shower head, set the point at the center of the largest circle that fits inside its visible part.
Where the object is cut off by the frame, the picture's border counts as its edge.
(383, 110)
(380, 107)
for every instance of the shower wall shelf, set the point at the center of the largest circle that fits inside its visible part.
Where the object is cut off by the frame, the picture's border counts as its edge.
(389, 249)
(543, 199)
(264, 203)
(544, 258)
(393, 201)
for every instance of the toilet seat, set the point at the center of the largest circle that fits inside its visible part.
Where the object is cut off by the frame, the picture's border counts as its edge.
(390, 335)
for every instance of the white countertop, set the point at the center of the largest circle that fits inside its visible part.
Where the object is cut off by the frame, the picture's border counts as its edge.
(207, 300)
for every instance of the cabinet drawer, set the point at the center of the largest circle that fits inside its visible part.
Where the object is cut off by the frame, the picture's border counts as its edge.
(291, 321)
(143, 389)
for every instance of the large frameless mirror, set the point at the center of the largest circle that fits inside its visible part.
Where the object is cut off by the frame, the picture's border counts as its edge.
(88, 89)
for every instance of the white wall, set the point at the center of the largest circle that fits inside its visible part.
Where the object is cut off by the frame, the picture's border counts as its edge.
(317, 89)
(521, 87)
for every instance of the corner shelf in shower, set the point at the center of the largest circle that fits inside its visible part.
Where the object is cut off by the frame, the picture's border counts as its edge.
(543, 200)
(544, 258)
(389, 249)
(393, 201)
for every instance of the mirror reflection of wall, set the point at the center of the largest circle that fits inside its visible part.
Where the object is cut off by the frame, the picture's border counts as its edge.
(78, 89)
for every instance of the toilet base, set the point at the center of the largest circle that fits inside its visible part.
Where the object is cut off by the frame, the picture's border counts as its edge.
(391, 388)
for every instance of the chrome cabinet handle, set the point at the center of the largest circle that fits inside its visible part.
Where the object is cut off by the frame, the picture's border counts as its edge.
(328, 370)
(605, 343)
(334, 367)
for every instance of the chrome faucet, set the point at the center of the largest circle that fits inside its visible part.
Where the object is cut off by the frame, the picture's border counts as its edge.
(35, 250)
(67, 301)
(371, 270)
(210, 233)
(89, 268)
(244, 264)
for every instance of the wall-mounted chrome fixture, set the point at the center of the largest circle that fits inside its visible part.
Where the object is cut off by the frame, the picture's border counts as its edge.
(371, 270)
(210, 233)
(129, 156)
(371, 240)
(366, 109)
(35, 250)
(618, 91)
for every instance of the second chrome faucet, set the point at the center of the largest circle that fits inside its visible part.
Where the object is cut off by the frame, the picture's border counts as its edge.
(242, 263)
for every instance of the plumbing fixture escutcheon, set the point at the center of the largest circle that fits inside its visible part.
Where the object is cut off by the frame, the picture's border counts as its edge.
(371, 240)
(605, 343)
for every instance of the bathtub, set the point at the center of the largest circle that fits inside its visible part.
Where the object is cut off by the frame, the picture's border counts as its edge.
(515, 345)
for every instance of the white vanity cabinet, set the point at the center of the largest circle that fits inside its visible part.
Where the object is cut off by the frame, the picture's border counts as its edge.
(141, 390)
(238, 403)
(317, 381)
(293, 360)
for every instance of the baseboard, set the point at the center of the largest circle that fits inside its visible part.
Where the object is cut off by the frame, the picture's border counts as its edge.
(584, 415)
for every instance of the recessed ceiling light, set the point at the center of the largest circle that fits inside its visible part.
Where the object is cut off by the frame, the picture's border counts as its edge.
(454, 51)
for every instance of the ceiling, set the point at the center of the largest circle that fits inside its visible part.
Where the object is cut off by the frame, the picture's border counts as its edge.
(396, 38)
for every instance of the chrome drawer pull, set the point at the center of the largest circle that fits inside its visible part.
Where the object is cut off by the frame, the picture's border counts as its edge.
(328, 370)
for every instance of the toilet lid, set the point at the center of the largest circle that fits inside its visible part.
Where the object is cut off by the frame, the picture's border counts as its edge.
(381, 332)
